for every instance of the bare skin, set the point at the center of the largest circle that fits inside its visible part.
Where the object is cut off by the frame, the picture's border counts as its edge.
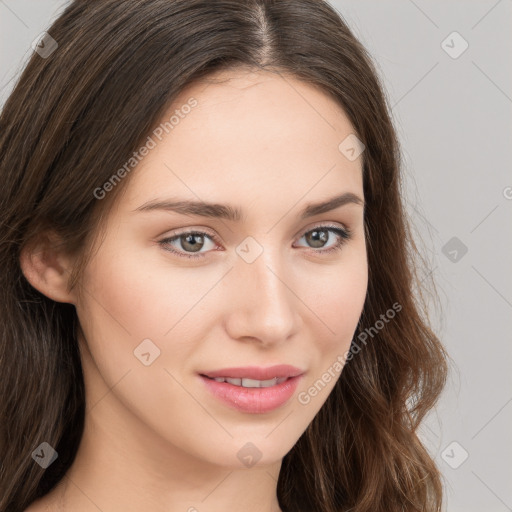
(155, 439)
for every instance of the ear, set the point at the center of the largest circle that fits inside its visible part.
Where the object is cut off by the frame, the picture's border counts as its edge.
(47, 268)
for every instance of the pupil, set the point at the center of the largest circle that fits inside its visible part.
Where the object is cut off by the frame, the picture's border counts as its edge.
(189, 239)
(319, 236)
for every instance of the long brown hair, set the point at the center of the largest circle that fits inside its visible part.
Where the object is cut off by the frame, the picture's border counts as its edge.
(78, 114)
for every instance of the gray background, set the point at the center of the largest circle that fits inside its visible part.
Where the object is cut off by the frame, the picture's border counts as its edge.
(453, 116)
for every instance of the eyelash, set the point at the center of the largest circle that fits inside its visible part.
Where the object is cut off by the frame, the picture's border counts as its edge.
(343, 234)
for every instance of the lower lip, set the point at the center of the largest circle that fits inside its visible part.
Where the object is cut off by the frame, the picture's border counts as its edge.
(253, 400)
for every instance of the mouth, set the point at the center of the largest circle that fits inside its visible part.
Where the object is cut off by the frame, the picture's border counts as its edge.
(253, 389)
(255, 373)
(249, 383)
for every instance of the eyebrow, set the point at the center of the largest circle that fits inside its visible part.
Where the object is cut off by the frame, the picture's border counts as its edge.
(236, 214)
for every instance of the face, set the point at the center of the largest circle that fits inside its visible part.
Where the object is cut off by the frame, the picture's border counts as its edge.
(175, 293)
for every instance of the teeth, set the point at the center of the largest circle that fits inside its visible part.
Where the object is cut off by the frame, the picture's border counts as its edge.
(252, 383)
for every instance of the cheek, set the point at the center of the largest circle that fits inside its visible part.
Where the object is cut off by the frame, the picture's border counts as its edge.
(118, 309)
(129, 299)
(138, 294)
(336, 301)
(335, 297)
(135, 295)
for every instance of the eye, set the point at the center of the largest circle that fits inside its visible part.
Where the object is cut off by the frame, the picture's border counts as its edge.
(190, 243)
(320, 235)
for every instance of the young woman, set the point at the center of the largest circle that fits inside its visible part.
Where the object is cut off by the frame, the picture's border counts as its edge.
(208, 280)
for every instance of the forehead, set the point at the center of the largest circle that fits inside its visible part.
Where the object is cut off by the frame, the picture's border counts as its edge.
(249, 134)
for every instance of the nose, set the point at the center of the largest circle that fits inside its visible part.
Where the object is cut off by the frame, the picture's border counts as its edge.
(263, 306)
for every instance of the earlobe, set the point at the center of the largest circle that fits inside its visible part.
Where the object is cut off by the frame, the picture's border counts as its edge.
(47, 269)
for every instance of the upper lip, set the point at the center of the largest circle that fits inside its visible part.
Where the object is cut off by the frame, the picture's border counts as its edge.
(256, 372)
